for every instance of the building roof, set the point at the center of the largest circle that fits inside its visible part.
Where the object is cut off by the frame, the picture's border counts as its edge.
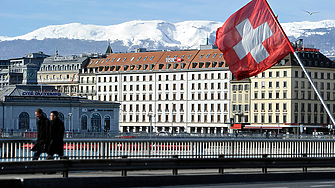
(56, 59)
(182, 59)
(42, 93)
(95, 62)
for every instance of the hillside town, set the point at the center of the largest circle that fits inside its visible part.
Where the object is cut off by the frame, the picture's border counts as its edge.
(182, 91)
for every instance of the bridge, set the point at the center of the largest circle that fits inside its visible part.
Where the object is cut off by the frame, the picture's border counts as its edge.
(126, 155)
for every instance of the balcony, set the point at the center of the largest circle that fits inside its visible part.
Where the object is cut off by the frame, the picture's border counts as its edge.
(57, 80)
(87, 82)
(88, 92)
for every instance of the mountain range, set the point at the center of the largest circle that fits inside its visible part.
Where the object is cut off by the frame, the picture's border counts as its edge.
(76, 38)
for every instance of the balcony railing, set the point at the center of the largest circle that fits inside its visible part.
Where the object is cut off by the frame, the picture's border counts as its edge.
(87, 82)
(87, 92)
(67, 80)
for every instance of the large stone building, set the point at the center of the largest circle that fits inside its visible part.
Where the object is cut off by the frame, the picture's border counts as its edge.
(19, 103)
(281, 98)
(172, 91)
(62, 72)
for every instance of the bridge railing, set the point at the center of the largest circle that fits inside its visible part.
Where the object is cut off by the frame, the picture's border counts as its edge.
(20, 149)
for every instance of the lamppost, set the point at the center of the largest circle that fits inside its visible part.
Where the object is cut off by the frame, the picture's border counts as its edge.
(172, 118)
(150, 120)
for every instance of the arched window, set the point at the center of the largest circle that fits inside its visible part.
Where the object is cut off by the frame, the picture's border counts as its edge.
(107, 124)
(24, 120)
(96, 122)
(84, 122)
(61, 116)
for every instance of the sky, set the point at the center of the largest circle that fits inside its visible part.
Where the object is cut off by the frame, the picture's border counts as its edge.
(19, 17)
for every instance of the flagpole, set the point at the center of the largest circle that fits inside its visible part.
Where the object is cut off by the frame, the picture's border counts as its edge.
(315, 89)
(277, 22)
(302, 65)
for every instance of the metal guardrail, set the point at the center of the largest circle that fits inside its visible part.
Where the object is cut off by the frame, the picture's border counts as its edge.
(20, 149)
(174, 164)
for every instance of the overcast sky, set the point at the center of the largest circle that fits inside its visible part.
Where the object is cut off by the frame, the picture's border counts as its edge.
(19, 17)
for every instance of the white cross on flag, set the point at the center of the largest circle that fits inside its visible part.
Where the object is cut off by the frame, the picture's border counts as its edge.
(252, 40)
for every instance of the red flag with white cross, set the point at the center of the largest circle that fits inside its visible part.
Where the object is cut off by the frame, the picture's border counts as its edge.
(252, 40)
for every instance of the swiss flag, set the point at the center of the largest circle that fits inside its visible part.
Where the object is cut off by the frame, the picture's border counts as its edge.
(252, 40)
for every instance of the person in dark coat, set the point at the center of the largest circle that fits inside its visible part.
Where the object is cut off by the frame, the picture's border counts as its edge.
(42, 139)
(56, 134)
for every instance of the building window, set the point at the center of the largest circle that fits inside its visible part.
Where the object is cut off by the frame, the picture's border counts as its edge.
(84, 122)
(96, 122)
(24, 120)
(107, 121)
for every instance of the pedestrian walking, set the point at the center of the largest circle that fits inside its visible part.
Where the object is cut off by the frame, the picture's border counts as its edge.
(56, 134)
(42, 139)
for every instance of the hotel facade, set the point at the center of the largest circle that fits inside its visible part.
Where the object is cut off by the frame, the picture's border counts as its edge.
(282, 99)
(172, 91)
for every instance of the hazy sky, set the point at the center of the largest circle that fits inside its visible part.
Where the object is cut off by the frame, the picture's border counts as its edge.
(19, 17)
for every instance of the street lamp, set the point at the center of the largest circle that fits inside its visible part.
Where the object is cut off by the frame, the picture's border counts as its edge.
(172, 118)
(150, 120)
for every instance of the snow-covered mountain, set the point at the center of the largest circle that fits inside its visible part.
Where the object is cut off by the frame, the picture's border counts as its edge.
(76, 38)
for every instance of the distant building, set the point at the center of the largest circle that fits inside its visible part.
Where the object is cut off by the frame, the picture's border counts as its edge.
(12, 70)
(281, 98)
(172, 91)
(19, 102)
(62, 72)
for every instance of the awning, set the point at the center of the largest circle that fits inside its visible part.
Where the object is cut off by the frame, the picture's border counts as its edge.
(236, 126)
